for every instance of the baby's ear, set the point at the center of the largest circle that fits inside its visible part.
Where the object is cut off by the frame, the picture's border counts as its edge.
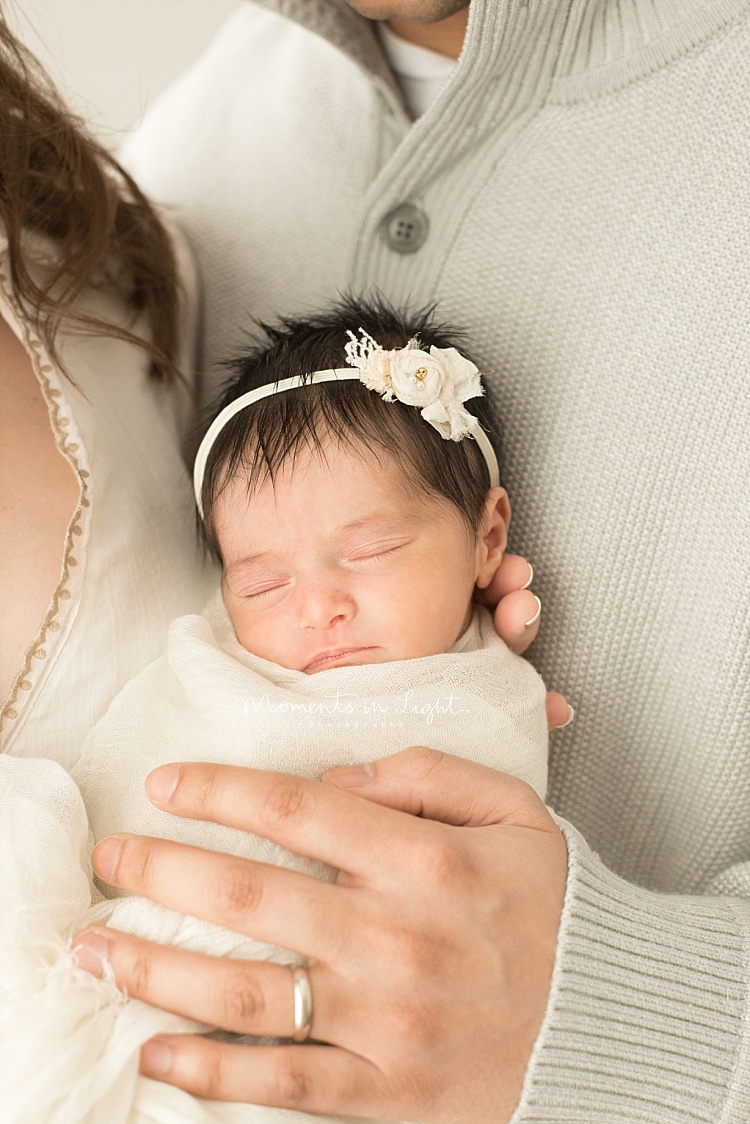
(492, 535)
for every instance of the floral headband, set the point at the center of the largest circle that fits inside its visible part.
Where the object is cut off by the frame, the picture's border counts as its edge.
(438, 382)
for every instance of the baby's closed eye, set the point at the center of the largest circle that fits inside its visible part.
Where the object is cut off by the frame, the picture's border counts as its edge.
(260, 587)
(376, 551)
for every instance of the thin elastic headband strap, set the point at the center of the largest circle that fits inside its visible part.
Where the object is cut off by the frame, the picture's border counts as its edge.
(332, 375)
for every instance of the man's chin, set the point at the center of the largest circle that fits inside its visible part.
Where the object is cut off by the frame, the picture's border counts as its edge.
(419, 11)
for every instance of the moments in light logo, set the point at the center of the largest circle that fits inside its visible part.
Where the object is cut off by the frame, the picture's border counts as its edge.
(355, 707)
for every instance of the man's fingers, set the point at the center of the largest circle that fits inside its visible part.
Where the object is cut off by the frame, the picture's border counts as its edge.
(302, 815)
(243, 996)
(268, 903)
(439, 786)
(309, 1078)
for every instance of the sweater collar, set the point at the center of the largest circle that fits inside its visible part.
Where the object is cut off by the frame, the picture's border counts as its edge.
(335, 21)
(580, 47)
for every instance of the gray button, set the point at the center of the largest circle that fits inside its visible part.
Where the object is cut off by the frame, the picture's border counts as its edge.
(405, 228)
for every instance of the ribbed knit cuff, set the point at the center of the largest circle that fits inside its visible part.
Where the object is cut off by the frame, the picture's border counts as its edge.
(648, 1018)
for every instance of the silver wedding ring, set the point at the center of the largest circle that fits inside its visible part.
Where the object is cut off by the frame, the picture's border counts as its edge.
(302, 1004)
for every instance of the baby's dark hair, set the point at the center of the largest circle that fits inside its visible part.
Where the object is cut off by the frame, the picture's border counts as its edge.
(260, 440)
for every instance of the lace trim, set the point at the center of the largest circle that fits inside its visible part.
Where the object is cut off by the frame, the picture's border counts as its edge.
(38, 652)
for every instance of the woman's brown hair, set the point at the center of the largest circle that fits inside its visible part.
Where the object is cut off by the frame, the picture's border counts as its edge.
(57, 180)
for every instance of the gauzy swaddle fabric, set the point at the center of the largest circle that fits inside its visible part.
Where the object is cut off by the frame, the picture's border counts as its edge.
(68, 1042)
(206, 699)
(210, 699)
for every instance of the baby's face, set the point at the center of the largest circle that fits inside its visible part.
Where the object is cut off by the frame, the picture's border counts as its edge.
(340, 563)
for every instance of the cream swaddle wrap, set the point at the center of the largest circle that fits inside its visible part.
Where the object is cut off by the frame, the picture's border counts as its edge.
(210, 699)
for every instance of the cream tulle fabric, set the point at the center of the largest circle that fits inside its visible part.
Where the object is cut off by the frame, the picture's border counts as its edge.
(70, 1042)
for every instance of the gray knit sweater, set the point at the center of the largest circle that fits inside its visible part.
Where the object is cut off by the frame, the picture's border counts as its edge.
(582, 195)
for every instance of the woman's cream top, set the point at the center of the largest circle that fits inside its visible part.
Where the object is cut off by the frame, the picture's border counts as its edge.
(131, 559)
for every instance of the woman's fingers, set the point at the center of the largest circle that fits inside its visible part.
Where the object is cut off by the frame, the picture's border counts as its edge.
(559, 711)
(517, 615)
(513, 573)
(517, 619)
(516, 610)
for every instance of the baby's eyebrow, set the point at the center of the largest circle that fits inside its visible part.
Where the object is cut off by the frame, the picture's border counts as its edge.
(379, 520)
(246, 562)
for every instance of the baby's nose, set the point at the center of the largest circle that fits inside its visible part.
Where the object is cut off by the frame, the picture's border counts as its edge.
(323, 604)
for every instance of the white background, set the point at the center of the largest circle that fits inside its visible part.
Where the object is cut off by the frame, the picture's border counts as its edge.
(111, 58)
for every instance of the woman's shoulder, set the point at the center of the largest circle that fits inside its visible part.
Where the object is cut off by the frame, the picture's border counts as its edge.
(131, 559)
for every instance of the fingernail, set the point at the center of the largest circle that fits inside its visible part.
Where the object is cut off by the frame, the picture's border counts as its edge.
(162, 782)
(106, 856)
(156, 1058)
(351, 776)
(569, 719)
(535, 618)
(530, 578)
(91, 953)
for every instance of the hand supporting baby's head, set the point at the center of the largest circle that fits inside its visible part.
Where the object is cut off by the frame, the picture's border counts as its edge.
(350, 527)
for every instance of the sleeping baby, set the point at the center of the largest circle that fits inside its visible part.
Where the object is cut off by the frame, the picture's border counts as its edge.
(350, 491)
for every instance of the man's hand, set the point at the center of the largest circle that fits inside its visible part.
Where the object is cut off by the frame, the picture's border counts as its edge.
(430, 959)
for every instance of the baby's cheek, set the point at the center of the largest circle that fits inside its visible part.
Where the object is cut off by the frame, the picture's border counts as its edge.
(425, 620)
(244, 622)
(268, 635)
(446, 613)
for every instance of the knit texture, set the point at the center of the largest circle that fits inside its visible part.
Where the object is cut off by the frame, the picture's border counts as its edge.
(585, 174)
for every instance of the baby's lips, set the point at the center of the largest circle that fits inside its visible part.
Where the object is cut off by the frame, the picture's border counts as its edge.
(329, 657)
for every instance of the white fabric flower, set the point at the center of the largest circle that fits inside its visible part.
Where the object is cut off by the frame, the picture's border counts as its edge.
(463, 373)
(438, 382)
(417, 378)
(452, 421)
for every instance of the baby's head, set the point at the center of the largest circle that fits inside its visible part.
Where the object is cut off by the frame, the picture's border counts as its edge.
(349, 528)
